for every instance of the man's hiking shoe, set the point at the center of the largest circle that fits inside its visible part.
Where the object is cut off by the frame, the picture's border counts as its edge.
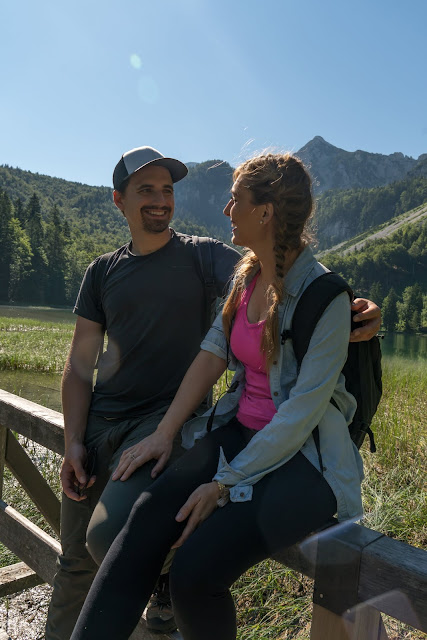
(159, 614)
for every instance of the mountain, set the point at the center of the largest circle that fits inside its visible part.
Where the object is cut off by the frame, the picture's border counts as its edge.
(369, 198)
(335, 168)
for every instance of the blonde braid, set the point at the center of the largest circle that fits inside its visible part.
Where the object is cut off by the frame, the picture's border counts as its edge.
(280, 179)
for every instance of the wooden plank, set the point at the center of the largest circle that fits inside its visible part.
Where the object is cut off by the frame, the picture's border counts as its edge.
(368, 624)
(17, 577)
(27, 541)
(326, 625)
(37, 423)
(393, 577)
(33, 482)
(3, 439)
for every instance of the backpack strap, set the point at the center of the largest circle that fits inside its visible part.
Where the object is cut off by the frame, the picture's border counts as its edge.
(310, 308)
(205, 269)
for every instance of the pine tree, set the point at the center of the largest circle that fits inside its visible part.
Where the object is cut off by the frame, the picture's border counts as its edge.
(34, 289)
(6, 245)
(55, 254)
(20, 267)
(389, 311)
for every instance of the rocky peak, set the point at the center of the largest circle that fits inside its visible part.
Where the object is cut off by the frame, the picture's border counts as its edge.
(335, 168)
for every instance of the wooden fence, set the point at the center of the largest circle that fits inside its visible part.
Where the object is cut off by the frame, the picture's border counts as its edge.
(358, 573)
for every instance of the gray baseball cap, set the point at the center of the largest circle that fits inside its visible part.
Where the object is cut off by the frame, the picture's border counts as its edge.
(135, 159)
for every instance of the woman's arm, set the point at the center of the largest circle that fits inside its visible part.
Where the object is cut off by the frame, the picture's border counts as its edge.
(308, 400)
(200, 377)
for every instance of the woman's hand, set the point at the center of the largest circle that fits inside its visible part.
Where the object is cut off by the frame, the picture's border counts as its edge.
(369, 315)
(199, 506)
(157, 446)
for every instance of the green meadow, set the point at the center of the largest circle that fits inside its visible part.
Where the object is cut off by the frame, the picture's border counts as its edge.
(274, 603)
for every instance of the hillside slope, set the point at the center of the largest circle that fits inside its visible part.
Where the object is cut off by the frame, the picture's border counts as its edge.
(382, 231)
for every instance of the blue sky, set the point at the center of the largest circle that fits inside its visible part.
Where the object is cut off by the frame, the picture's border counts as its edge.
(84, 81)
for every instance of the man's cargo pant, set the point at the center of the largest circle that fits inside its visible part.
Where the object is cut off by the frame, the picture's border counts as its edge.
(103, 512)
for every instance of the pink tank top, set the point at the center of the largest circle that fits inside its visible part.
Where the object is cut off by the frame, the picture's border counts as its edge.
(256, 408)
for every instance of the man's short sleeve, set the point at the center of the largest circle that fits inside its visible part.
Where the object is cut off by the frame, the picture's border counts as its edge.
(225, 259)
(88, 303)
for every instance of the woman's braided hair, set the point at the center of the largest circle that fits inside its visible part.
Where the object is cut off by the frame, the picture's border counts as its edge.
(280, 179)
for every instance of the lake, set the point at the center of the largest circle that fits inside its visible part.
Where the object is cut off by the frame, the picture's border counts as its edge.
(44, 388)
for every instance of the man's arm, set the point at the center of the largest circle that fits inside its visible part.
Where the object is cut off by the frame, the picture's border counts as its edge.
(77, 383)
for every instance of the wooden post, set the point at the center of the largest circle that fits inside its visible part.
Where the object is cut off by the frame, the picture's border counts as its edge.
(3, 439)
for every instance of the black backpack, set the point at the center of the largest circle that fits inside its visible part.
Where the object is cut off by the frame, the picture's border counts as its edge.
(362, 369)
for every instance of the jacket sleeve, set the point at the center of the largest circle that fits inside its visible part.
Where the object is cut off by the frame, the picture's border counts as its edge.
(308, 400)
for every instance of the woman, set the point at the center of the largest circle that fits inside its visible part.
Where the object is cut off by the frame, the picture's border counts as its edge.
(259, 462)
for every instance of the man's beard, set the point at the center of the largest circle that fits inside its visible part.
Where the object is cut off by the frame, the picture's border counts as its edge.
(151, 225)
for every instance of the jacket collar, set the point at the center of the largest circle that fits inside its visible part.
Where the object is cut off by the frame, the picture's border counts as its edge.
(296, 275)
(299, 271)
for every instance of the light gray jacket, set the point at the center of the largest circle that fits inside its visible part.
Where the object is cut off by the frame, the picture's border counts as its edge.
(302, 402)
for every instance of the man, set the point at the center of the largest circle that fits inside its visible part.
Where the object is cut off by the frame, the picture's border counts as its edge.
(152, 299)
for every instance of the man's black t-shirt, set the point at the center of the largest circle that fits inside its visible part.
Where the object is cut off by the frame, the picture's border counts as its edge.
(152, 308)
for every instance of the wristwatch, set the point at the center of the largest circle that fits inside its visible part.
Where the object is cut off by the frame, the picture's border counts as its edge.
(224, 494)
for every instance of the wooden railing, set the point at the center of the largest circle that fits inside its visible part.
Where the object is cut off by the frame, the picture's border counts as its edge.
(358, 573)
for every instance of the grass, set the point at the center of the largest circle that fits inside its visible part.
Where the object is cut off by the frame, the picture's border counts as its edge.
(33, 345)
(273, 602)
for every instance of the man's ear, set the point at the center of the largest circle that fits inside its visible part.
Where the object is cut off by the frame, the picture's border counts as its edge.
(118, 200)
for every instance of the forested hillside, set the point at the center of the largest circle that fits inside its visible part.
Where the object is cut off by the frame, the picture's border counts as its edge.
(393, 272)
(44, 250)
(51, 229)
(199, 200)
(343, 214)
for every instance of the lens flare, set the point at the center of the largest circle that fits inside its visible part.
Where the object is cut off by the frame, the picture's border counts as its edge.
(135, 61)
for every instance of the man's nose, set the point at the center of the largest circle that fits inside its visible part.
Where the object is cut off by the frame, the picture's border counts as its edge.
(227, 208)
(159, 198)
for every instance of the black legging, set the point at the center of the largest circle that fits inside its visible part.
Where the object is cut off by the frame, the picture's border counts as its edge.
(286, 505)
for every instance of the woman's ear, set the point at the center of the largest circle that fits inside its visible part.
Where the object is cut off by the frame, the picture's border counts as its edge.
(268, 212)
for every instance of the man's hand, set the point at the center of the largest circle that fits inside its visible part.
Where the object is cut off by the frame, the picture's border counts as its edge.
(199, 506)
(369, 314)
(73, 476)
(157, 446)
